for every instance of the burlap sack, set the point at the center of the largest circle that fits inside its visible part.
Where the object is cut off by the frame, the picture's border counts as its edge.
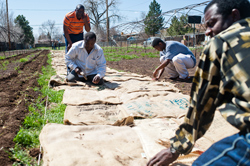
(58, 62)
(58, 80)
(84, 97)
(155, 134)
(146, 86)
(170, 105)
(113, 75)
(121, 78)
(92, 115)
(150, 131)
(219, 129)
(90, 145)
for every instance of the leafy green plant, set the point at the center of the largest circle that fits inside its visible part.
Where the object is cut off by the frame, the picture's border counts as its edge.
(130, 50)
(2, 57)
(129, 56)
(113, 59)
(4, 65)
(27, 138)
(152, 55)
(22, 156)
(23, 60)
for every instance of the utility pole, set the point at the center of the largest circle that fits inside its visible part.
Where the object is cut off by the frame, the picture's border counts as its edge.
(8, 23)
(107, 15)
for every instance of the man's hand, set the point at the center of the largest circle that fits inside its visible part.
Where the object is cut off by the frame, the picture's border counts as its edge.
(85, 18)
(78, 70)
(155, 79)
(69, 45)
(96, 79)
(163, 158)
(155, 73)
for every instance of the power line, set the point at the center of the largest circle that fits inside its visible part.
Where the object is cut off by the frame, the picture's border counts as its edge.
(139, 4)
(58, 10)
(36, 10)
(139, 24)
(41, 25)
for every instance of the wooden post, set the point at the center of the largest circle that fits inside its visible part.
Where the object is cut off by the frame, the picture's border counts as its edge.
(107, 17)
(8, 24)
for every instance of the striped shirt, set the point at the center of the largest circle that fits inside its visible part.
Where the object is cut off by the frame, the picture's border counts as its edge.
(75, 25)
(221, 81)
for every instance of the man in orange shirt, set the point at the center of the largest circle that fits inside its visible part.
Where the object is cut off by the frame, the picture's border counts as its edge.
(73, 26)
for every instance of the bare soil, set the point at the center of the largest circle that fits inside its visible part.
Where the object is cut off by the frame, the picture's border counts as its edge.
(16, 92)
(146, 66)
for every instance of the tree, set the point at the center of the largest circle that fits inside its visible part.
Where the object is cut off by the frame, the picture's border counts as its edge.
(96, 9)
(15, 30)
(154, 20)
(179, 26)
(50, 29)
(27, 30)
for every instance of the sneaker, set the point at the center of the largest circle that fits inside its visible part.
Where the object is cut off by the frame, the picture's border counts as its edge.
(174, 78)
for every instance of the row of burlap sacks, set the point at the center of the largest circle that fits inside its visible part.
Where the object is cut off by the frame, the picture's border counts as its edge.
(126, 121)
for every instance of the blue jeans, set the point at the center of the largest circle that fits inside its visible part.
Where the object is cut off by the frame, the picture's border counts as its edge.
(74, 38)
(230, 151)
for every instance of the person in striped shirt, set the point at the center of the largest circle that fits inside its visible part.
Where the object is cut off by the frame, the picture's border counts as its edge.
(222, 82)
(73, 26)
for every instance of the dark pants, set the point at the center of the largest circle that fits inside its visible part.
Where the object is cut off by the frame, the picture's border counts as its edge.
(73, 76)
(230, 151)
(74, 38)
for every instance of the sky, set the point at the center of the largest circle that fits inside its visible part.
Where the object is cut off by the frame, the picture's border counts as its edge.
(38, 12)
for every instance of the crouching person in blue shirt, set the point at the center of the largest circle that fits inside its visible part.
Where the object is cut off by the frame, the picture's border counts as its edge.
(175, 57)
(86, 61)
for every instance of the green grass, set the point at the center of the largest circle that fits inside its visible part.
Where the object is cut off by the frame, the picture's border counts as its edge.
(119, 53)
(129, 56)
(150, 54)
(49, 48)
(28, 136)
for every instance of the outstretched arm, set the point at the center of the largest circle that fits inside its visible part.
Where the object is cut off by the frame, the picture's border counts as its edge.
(164, 158)
(160, 69)
(86, 22)
(66, 34)
(160, 72)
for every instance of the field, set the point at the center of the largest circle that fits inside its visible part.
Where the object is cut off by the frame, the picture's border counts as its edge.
(18, 79)
(24, 95)
(144, 61)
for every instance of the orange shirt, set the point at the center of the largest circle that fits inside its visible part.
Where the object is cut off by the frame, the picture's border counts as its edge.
(75, 25)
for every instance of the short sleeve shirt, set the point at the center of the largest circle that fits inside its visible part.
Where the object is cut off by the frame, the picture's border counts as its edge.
(174, 48)
(75, 25)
